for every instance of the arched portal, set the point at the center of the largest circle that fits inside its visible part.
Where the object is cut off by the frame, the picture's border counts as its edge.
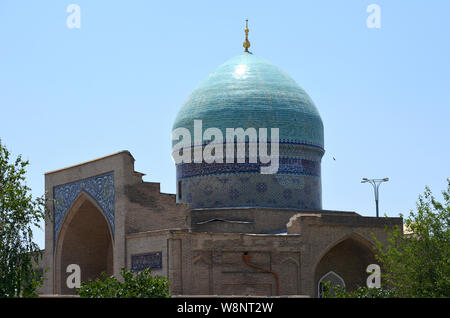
(348, 260)
(85, 239)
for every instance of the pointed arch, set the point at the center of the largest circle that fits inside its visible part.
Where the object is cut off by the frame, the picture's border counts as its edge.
(86, 239)
(99, 187)
(290, 259)
(331, 276)
(82, 197)
(290, 281)
(353, 235)
(348, 258)
(201, 259)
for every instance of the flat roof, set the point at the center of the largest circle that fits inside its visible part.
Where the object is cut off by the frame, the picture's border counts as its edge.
(90, 161)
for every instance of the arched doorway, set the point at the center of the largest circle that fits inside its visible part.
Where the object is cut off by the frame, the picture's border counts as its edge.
(85, 239)
(345, 263)
(334, 280)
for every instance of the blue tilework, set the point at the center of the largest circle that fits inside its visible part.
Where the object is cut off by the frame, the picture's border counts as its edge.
(247, 91)
(100, 188)
(279, 191)
(286, 166)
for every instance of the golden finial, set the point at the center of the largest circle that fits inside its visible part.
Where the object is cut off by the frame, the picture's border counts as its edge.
(246, 42)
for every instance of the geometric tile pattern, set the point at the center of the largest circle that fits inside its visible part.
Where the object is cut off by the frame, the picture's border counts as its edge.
(252, 190)
(100, 188)
(286, 166)
(249, 92)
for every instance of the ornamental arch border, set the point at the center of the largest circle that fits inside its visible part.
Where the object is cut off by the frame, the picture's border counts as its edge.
(82, 198)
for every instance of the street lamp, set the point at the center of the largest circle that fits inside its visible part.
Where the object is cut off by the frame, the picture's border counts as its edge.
(376, 184)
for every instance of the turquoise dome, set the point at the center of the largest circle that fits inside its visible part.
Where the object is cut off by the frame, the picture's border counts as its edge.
(247, 91)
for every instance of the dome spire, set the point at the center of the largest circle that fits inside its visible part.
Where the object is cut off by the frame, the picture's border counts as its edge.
(246, 42)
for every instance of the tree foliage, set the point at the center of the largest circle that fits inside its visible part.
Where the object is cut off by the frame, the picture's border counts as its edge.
(18, 213)
(361, 292)
(135, 285)
(415, 263)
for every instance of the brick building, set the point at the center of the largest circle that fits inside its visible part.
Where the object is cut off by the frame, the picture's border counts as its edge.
(229, 229)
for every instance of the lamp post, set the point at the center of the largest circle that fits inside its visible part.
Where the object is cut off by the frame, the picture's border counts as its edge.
(376, 184)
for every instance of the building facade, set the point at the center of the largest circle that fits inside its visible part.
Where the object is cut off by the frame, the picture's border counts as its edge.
(230, 229)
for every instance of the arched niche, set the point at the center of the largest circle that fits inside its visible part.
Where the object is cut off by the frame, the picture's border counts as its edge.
(85, 239)
(347, 259)
(334, 279)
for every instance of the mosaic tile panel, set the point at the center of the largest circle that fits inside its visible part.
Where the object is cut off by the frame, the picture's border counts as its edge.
(296, 184)
(100, 188)
(286, 166)
(277, 191)
(140, 262)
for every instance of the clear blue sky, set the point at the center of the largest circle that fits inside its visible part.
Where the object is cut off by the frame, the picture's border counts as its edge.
(71, 95)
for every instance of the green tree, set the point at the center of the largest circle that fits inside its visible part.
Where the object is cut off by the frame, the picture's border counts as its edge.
(18, 213)
(360, 292)
(417, 263)
(135, 285)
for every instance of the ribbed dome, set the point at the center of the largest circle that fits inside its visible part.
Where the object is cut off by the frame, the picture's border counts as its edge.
(247, 91)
